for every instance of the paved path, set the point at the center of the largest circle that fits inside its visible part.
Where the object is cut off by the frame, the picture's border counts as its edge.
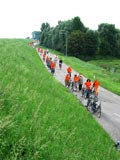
(110, 118)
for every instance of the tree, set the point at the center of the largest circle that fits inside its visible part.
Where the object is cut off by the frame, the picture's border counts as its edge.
(76, 44)
(79, 41)
(118, 43)
(108, 39)
(92, 43)
(45, 27)
(77, 24)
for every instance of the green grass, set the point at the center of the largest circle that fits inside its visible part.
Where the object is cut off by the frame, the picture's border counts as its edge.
(112, 65)
(39, 118)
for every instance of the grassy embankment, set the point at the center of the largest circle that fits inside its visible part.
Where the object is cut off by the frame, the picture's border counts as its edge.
(39, 118)
(106, 71)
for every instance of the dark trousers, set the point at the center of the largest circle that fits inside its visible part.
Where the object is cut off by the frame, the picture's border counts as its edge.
(80, 87)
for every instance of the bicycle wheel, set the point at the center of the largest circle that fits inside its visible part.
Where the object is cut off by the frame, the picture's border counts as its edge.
(90, 107)
(98, 112)
(83, 94)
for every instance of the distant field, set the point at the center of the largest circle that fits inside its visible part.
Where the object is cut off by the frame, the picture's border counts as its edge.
(111, 65)
(39, 118)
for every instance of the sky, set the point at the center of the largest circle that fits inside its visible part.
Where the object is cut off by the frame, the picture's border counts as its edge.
(19, 18)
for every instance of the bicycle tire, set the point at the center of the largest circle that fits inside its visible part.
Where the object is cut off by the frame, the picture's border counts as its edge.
(89, 107)
(98, 112)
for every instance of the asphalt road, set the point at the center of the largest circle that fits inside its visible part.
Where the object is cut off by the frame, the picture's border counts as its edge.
(110, 117)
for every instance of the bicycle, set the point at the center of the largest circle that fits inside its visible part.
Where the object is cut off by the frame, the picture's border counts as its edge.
(71, 85)
(117, 145)
(85, 93)
(94, 105)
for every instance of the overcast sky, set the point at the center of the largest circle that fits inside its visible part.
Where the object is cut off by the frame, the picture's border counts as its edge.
(18, 18)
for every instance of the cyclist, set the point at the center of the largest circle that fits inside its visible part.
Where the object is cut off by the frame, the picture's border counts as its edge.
(52, 67)
(96, 85)
(48, 61)
(60, 64)
(55, 59)
(69, 70)
(80, 81)
(67, 80)
(75, 81)
(44, 56)
(88, 86)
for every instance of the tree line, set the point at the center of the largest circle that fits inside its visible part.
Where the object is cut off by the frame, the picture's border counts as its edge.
(74, 39)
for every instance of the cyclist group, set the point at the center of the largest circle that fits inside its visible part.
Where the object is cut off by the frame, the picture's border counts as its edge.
(76, 82)
(50, 62)
(87, 88)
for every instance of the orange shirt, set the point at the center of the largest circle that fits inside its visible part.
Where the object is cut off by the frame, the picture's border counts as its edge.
(47, 59)
(69, 70)
(67, 77)
(44, 55)
(88, 85)
(96, 83)
(52, 65)
(75, 79)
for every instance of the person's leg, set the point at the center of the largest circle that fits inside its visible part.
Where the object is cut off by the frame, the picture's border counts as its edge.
(80, 87)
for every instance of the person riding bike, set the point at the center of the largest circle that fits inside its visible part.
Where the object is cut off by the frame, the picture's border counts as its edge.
(60, 64)
(75, 82)
(96, 85)
(69, 70)
(80, 81)
(88, 86)
(94, 104)
(52, 67)
(92, 99)
(67, 80)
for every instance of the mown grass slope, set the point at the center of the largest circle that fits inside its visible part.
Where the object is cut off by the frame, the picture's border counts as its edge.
(39, 118)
